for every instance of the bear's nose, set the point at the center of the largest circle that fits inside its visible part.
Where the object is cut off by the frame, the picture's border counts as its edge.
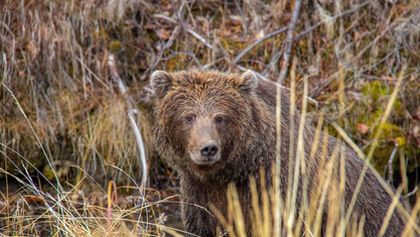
(209, 151)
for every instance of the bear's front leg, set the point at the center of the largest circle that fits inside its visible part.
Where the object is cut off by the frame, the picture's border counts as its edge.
(196, 216)
(198, 221)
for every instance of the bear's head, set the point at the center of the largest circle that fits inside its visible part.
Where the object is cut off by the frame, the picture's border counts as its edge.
(203, 119)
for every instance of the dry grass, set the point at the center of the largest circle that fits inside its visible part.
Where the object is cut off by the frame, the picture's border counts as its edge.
(303, 216)
(64, 127)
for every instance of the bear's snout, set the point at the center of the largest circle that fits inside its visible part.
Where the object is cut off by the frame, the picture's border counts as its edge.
(205, 154)
(209, 151)
(204, 142)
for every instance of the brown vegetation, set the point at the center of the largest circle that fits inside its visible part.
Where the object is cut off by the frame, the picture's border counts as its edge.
(61, 113)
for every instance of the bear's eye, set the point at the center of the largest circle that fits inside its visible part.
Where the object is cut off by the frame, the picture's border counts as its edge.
(189, 118)
(219, 119)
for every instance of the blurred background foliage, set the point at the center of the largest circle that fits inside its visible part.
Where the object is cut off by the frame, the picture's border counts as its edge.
(59, 104)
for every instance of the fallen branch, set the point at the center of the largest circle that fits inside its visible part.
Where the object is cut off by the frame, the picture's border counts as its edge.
(131, 111)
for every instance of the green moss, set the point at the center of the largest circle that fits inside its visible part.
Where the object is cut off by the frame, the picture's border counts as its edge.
(388, 132)
(369, 110)
(114, 46)
(48, 173)
(398, 108)
(375, 90)
(231, 45)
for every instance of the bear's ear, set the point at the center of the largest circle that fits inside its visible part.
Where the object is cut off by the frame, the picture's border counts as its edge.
(161, 82)
(248, 81)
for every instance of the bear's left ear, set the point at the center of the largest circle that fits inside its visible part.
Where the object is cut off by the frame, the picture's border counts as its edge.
(248, 81)
(161, 82)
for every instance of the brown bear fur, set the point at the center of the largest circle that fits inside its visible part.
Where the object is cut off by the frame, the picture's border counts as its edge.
(247, 140)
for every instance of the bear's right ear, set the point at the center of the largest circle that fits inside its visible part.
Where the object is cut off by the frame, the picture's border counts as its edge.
(248, 81)
(161, 82)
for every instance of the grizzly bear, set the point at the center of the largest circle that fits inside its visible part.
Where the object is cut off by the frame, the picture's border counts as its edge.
(215, 129)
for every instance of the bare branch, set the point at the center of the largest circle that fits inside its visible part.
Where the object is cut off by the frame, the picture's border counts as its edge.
(390, 161)
(262, 77)
(257, 42)
(344, 13)
(289, 41)
(131, 111)
(186, 28)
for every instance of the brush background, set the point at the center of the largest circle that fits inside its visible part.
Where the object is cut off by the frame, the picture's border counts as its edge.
(54, 55)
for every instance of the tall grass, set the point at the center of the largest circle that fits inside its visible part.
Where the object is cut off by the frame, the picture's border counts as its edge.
(320, 211)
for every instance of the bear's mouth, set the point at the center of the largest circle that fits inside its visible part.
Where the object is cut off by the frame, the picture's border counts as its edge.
(201, 166)
(202, 169)
(200, 160)
(204, 162)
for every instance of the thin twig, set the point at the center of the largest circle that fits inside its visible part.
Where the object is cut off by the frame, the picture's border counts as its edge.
(390, 161)
(186, 28)
(199, 37)
(289, 41)
(344, 13)
(281, 30)
(139, 139)
(262, 77)
(414, 191)
(257, 42)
